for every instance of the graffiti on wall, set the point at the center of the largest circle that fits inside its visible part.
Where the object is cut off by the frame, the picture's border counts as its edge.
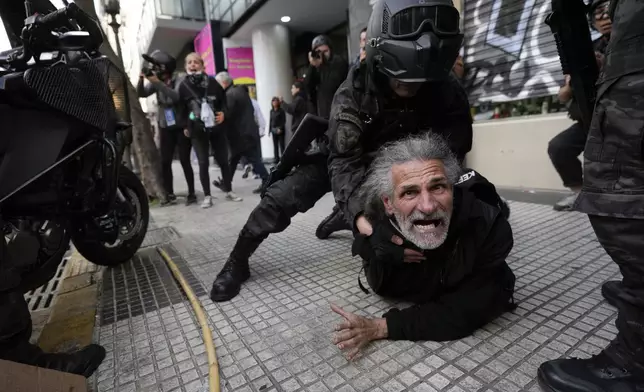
(510, 53)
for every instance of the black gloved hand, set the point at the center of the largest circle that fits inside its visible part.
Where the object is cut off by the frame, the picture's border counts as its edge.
(378, 247)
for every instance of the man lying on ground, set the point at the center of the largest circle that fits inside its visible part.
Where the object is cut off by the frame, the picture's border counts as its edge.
(451, 264)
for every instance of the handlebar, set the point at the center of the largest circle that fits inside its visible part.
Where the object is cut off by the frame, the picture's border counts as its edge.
(36, 35)
(72, 11)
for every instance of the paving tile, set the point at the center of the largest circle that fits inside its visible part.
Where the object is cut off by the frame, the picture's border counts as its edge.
(275, 336)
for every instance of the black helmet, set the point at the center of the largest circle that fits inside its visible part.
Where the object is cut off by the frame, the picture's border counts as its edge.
(413, 40)
(319, 41)
(163, 59)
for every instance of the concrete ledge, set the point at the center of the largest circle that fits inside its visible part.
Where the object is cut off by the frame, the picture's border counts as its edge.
(535, 196)
(73, 314)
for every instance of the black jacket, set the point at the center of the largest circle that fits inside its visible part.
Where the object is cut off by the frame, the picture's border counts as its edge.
(362, 120)
(278, 120)
(193, 88)
(297, 109)
(167, 98)
(463, 285)
(241, 129)
(323, 82)
(625, 48)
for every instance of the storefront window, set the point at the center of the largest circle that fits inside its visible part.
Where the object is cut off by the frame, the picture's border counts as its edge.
(520, 108)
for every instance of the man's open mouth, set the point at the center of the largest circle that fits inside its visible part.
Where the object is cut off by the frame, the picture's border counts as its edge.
(424, 225)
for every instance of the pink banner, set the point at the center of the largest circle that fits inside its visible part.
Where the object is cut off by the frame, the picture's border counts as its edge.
(203, 46)
(240, 65)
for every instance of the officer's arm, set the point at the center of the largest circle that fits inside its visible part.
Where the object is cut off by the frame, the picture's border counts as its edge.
(480, 298)
(346, 167)
(455, 120)
(144, 90)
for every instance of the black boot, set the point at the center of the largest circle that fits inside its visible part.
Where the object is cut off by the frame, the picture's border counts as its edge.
(83, 362)
(331, 224)
(229, 281)
(599, 373)
(235, 271)
(505, 208)
(610, 291)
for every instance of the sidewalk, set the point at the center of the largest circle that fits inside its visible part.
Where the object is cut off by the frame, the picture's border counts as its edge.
(276, 335)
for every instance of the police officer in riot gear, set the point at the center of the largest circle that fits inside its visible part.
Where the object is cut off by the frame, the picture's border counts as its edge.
(406, 85)
(369, 109)
(613, 197)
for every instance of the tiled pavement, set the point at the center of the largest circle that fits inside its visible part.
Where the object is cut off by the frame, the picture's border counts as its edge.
(276, 335)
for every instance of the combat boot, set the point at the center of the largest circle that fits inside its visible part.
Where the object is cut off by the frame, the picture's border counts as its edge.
(610, 291)
(229, 280)
(236, 270)
(598, 373)
(331, 224)
(83, 362)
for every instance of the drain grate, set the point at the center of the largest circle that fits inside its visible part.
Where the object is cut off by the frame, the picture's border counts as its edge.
(143, 284)
(42, 297)
(160, 236)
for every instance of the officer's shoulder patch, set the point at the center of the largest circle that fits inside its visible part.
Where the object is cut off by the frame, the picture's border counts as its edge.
(346, 138)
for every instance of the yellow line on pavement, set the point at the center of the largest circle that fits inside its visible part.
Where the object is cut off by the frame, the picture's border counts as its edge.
(213, 365)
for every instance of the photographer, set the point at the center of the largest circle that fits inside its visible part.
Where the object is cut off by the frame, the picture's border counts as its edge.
(171, 116)
(326, 73)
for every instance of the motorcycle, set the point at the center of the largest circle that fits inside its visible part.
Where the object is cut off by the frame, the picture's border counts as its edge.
(61, 177)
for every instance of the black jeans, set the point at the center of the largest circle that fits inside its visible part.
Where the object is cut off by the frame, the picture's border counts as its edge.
(172, 138)
(279, 143)
(253, 155)
(622, 239)
(564, 150)
(202, 140)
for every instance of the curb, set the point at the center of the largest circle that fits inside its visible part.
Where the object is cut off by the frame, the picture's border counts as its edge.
(73, 314)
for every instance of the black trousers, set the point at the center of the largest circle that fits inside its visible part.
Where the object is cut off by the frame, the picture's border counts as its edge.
(564, 150)
(202, 140)
(171, 139)
(15, 329)
(279, 144)
(297, 193)
(253, 155)
(623, 240)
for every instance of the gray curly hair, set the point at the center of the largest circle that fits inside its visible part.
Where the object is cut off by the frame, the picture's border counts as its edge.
(379, 181)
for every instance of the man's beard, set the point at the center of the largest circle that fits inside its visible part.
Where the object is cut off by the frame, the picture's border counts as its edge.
(426, 231)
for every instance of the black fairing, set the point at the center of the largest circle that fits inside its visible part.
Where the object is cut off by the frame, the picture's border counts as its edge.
(32, 141)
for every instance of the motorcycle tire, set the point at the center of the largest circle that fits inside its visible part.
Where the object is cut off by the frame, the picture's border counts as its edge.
(107, 255)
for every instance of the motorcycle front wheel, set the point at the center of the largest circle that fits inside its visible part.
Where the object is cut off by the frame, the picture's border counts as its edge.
(133, 225)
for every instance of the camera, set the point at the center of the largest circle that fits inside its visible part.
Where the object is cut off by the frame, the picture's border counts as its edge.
(317, 54)
(158, 63)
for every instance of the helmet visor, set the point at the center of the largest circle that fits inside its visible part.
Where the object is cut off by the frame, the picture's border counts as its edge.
(411, 22)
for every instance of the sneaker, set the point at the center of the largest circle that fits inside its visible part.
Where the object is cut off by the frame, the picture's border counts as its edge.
(172, 197)
(566, 203)
(230, 196)
(207, 202)
(256, 177)
(191, 199)
(247, 170)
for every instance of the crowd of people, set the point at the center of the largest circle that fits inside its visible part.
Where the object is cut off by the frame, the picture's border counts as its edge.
(428, 230)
